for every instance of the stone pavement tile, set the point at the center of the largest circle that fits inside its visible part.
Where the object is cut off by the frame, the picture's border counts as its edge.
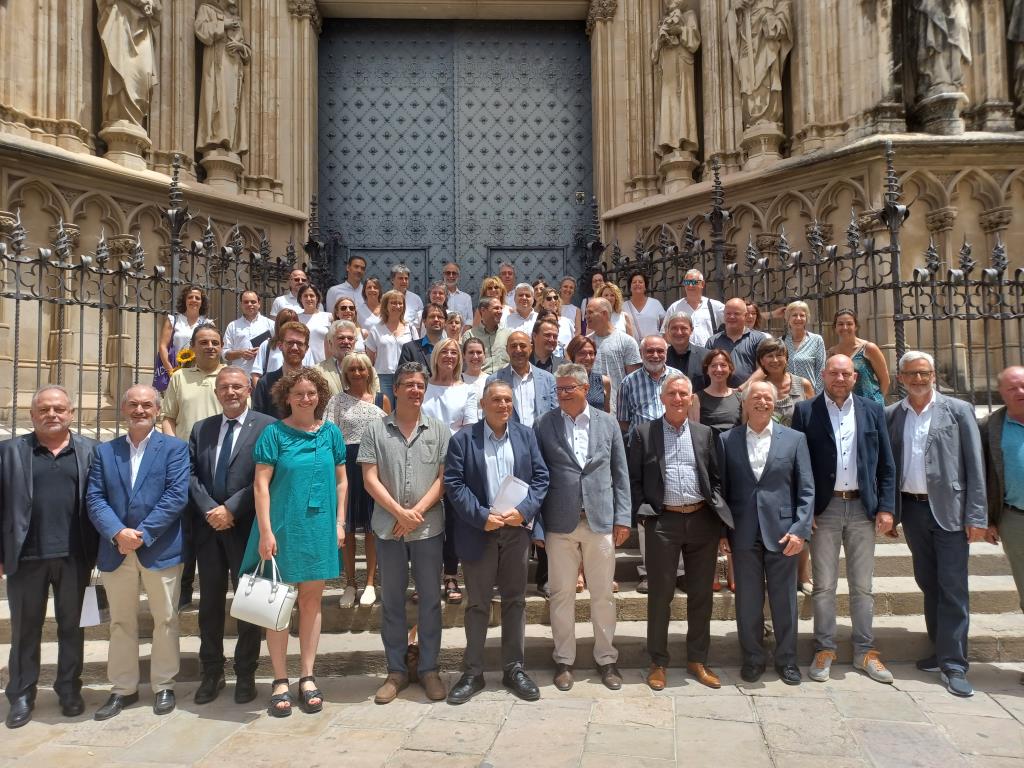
(652, 712)
(798, 760)
(255, 749)
(592, 760)
(700, 743)
(96, 757)
(411, 758)
(879, 704)
(475, 711)
(908, 745)
(679, 682)
(183, 739)
(400, 714)
(452, 736)
(121, 731)
(942, 702)
(630, 741)
(541, 737)
(986, 761)
(809, 725)
(771, 686)
(715, 707)
(983, 735)
(36, 732)
(845, 677)
(298, 724)
(1012, 704)
(363, 747)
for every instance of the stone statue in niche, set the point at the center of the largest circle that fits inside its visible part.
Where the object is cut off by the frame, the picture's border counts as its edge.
(127, 31)
(221, 136)
(942, 37)
(1015, 34)
(678, 40)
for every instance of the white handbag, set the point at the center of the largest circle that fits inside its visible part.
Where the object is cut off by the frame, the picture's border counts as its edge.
(262, 601)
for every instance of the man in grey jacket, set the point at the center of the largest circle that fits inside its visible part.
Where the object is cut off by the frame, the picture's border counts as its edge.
(585, 515)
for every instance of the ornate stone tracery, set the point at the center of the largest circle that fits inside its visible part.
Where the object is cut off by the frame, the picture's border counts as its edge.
(600, 10)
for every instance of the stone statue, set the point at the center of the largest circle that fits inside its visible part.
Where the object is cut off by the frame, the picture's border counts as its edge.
(222, 111)
(943, 41)
(760, 34)
(1015, 34)
(678, 40)
(127, 33)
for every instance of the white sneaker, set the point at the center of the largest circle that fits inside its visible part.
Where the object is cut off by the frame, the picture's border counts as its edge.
(348, 597)
(369, 596)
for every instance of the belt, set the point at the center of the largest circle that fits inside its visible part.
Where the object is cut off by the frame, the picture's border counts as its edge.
(915, 496)
(686, 509)
(847, 495)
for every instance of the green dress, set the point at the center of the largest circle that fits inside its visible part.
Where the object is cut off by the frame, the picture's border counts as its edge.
(303, 501)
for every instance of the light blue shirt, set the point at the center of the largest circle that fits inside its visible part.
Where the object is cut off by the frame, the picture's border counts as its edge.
(1013, 462)
(499, 459)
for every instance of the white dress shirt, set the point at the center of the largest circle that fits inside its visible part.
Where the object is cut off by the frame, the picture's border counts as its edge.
(758, 444)
(413, 309)
(915, 441)
(344, 289)
(844, 427)
(234, 436)
(239, 336)
(524, 396)
(577, 433)
(135, 454)
(461, 302)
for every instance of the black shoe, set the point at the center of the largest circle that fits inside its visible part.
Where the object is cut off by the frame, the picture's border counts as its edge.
(641, 586)
(245, 690)
(21, 711)
(931, 664)
(466, 688)
(610, 676)
(789, 674)
(681, 583)
(163, 704)
(115, 704)
(751, 673)
(517, 681)
(185, 601)
(72, 705)
(209, 688)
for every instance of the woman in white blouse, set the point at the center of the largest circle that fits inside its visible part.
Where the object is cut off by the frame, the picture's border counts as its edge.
(317, 322)
(566, 290)
(369, 312)
(647, 313)
(473, 356)
(620, 320)
(176, 333)
(385, 340)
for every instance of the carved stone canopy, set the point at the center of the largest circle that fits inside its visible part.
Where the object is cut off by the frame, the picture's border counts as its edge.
(600, 10)
(306, 9)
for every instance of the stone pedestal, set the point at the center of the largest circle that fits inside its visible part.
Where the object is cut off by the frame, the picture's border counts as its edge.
(761, 143)
(941, 114)
(677, 169)
(223, 169)
(127, 144)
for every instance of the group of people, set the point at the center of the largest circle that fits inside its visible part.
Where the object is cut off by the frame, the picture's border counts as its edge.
(459, 437)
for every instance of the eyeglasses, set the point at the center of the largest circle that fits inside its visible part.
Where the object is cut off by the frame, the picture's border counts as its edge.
(293, 343)
(918, 374)
(566, 389)
(691, 282)
(451, 273)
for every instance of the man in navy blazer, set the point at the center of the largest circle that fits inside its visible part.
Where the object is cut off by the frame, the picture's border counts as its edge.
(769, 487)
(137, 493)
(533, 389)
(854, 499)
(492, 543)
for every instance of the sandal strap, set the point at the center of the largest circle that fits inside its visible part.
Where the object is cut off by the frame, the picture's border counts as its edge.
(307, 678)
(280, 681)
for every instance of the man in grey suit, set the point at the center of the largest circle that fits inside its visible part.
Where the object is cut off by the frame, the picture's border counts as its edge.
(585, 516)
(533, 389)
(940, 479)
(220, 492)
(769, 487)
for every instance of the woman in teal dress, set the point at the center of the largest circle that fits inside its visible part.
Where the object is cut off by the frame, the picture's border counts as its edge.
(300, 491)
(868, 360)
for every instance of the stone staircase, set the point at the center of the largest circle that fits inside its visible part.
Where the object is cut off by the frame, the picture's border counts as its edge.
(351, 643)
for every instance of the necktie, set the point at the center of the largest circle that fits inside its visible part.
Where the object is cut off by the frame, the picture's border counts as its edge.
(220, 475)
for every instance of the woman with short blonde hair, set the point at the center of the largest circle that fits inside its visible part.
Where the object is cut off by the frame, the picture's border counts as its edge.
(611, 293)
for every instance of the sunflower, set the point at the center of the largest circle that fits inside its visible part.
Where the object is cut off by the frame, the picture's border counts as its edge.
(185, 358)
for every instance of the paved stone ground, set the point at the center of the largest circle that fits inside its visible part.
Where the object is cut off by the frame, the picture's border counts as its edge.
(850, 721)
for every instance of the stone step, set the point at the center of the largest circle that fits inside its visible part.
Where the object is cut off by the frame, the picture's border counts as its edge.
(894, 596)
(993, 638)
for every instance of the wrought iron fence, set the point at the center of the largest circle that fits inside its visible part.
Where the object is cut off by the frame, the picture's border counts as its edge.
(971, 318)
(90, 322)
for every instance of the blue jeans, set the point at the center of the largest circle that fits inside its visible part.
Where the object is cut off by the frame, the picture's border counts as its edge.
(387, 385)
(394, 557)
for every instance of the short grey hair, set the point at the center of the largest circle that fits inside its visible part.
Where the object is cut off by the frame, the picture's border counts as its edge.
(649, 338)
(159, 398)
(675, 317)
(697, 272)
(399, 269)
(573, 371)
(913, 355)
(50, 388)
(745, 392)
(674, 377)
(520, 286)
(491, 384)
(348, 325)
(506, 264)
(486, 301)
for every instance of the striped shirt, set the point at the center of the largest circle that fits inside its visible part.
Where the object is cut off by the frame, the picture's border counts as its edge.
(640, 396)
(681, 485)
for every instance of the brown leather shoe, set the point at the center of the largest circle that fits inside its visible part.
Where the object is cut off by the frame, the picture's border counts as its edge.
(704, 675)
(395, 683)
(432, 685)
(610, 676)
(656, 678)
(563, 677)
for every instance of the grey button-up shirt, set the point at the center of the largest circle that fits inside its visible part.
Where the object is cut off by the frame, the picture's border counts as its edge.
(407, 469)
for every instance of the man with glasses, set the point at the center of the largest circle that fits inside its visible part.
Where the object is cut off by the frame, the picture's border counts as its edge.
(239, 347)
(854, 500)
(294, 344)
(296, 279)
(458, 300)
(940, 476)
(351, 287)
(707, 315)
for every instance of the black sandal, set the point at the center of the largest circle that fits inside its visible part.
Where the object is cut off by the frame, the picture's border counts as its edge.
(306, 696)
(280, 698)
(452, 593)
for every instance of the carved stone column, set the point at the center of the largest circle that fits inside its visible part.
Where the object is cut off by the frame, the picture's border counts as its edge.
(987, 76)
(297, 113)
(606, 79)
(267, 26)
(723, 118)
(642, 18)
(172, 125)
(994, 222)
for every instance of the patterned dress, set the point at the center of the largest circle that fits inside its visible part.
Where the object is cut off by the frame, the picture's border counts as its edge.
(353, 416)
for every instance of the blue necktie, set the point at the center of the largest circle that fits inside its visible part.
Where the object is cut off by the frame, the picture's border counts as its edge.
(220, 476)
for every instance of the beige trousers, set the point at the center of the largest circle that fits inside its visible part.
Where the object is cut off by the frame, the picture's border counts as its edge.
(597, 553)
(162, 590)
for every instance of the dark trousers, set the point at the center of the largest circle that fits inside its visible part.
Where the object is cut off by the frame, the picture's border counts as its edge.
(754, 566)
(504, 562)
(940, 570)
(450, 558)
(396, 557)
(696, 536)
(27, 591)
(541, 576)
(219, 555)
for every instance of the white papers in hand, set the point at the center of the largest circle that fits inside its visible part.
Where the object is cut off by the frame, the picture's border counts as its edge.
(510, 495)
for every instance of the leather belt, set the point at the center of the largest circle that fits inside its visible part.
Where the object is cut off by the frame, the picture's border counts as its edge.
(847, 495)
(686, 509)
(923, 497)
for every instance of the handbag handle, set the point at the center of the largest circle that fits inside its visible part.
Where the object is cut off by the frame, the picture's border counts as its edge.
(275, 573)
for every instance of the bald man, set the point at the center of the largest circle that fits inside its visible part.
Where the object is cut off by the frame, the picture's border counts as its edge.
(739, 341)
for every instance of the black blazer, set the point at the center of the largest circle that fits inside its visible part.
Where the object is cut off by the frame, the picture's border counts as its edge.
(202, 451)
(414, 352)
(646, 461)
(262, 401)
(16, 498)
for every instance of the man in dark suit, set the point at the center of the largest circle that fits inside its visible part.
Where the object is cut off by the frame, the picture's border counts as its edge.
(46, 540)
(493, 543)
(222, 506)
(940, 474)
(533, 390)
(673, 469)
(138, 491)
(545, 341)
(769, 487)
(854, 500)
(420, 350)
